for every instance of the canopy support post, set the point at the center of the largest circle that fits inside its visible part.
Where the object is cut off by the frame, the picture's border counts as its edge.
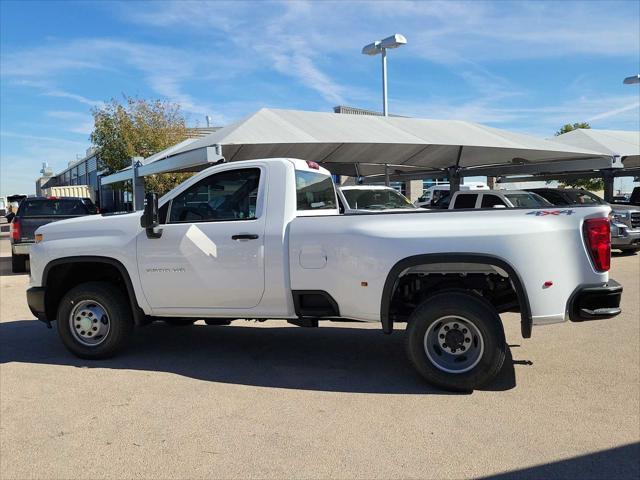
(386, 174)
(454, 174)
(608, 177)
(138, 184)
(454, 179)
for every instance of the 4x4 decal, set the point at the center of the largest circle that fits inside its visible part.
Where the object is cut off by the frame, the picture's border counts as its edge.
(544, 213)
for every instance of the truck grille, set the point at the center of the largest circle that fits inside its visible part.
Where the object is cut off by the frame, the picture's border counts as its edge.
(635, 220)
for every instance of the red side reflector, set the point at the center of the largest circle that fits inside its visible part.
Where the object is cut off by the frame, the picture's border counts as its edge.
(597, 235)
(15, 229)
(313, 165)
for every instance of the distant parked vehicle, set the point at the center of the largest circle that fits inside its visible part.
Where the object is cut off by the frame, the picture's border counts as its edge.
(497, 199)
(632, 199)
(372, 198)
(34, 212)
(81, 191)
(433, 195)
(3, 206)
(625, 221)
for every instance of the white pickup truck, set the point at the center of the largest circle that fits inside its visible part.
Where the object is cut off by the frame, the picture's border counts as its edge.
(263, 239)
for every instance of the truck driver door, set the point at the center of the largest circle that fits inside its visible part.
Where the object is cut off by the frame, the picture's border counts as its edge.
(211, 251)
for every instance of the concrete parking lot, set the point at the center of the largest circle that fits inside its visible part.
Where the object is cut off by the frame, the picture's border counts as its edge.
(341, 401)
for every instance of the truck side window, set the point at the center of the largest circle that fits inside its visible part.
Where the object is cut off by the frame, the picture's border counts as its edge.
(465, 200)
(230, 195)
(490, 201)
(314, 191)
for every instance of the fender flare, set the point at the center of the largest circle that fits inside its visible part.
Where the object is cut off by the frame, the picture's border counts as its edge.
(526, 321)
(138, 313)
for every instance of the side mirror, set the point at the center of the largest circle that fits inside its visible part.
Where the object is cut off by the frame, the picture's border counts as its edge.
(150, 218)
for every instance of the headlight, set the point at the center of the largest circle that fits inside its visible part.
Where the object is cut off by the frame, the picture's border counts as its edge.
(621, 216)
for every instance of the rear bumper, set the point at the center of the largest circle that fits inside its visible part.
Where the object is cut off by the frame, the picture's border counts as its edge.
(21, 248)
(595, 302)
(35, 300)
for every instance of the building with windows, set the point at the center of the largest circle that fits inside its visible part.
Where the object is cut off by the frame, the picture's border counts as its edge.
(84, 171)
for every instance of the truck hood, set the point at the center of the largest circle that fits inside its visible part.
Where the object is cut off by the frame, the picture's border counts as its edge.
(624, 208)
(91, 225)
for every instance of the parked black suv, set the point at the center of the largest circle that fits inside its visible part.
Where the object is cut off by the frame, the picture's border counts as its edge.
(35, 212)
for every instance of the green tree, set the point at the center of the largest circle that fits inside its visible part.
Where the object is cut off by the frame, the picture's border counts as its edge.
(593, 184)
(138, 128)
(572, 126)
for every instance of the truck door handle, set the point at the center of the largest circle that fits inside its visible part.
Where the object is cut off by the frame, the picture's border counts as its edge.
(245, 236)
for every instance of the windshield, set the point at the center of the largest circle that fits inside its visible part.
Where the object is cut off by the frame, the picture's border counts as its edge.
(52, 208)
(382, 199)
(527, 200)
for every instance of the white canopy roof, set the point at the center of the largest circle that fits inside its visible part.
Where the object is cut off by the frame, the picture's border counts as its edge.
(623, 143)
(363, 145)
(339, 141)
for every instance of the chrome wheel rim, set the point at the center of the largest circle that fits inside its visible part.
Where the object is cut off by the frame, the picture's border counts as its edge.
(89, 323)
(453, 344)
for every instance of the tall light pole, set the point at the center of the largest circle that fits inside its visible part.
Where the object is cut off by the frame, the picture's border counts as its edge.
(632, 79)
(381, 46)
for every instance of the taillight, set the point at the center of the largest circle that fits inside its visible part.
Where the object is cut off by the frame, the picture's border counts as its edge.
(15, 229)
(597, 235)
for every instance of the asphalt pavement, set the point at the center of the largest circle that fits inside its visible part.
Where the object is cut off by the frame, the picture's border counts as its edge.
(270, 400)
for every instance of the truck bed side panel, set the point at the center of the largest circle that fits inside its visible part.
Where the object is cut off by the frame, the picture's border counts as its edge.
(349, 257)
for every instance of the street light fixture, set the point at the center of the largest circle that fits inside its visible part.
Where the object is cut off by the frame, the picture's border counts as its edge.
(632, 79)
(381, 46)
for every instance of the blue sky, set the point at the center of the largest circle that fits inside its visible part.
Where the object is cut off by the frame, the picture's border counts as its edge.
(524, 66)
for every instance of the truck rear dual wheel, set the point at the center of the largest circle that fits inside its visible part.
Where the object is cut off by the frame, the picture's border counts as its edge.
(94, 320)
(455, 340)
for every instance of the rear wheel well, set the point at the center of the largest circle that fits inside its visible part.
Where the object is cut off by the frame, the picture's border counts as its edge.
(60, 277)
(415, 279)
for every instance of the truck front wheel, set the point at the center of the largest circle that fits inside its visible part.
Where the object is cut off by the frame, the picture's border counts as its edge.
(94, 320)
(455, 340)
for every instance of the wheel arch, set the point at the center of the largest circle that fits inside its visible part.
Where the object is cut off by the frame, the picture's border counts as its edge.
(68, 262)
(394, 274)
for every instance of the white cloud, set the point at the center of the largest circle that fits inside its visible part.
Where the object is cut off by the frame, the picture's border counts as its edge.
(164, 68)
(631, 107)
(78, 98)
(74, 122)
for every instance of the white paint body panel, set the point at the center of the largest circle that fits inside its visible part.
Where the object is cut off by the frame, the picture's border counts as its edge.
(329, 252)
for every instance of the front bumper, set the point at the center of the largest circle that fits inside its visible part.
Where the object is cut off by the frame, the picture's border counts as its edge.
(623, 236)
(595, 302)
(35, 300)
(21, 248)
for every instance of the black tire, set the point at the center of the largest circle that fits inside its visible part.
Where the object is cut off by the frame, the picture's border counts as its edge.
(180, 322)
(629, 251)
(19, 263)
(119, 315)
(217, 321)
(475, 310)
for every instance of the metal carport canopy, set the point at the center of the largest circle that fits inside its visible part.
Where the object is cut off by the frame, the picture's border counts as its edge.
(360, 144)
(624, 144)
